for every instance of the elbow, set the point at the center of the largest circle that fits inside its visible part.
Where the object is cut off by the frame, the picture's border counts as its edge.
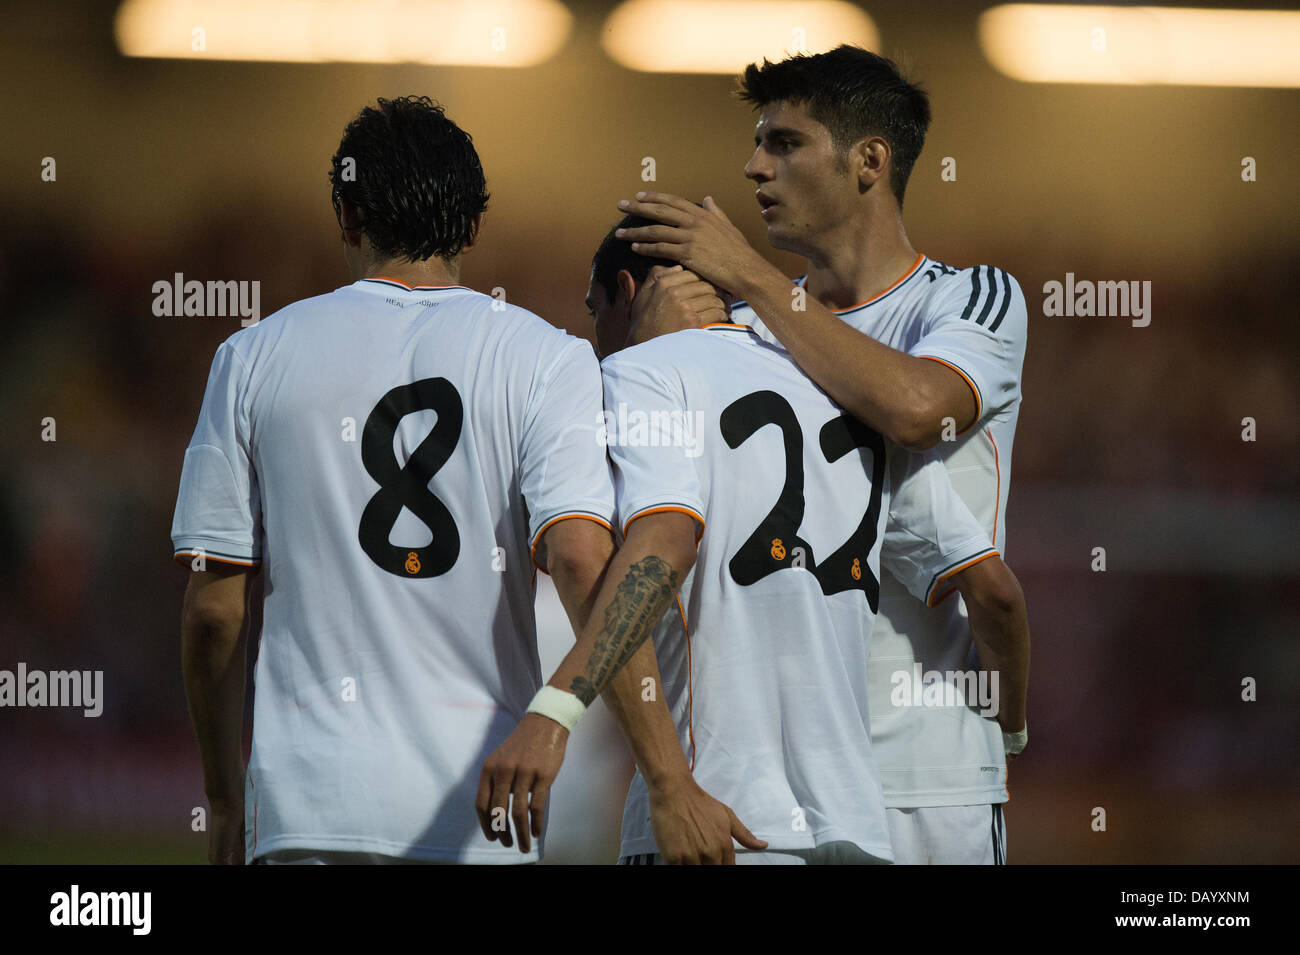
(991, 586)
(209, 617)
(916, 433)
(577, 551)
(919, 424)
(581, 566)
(682, 558)
(1005, 601)
(680, 549)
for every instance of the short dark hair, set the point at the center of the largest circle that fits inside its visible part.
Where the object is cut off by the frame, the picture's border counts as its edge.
(853, 93)
(616, 254)
(417, 183)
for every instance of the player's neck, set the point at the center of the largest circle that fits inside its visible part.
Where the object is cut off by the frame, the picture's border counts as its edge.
(432, 271)
(860, 264)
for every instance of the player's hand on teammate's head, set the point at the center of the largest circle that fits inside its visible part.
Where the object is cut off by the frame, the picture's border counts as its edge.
(520, 771)
(697, 236)
(670, 300)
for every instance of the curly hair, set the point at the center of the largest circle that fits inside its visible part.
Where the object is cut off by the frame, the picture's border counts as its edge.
(416, 180)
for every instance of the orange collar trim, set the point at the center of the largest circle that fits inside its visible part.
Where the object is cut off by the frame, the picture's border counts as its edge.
(879, 295)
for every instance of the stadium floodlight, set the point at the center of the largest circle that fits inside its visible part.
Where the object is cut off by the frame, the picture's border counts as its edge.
(723, 36)
(506, 33)
(1038, 43)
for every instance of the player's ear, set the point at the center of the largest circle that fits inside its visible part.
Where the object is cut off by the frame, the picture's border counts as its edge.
(627, 286)
(868, 160)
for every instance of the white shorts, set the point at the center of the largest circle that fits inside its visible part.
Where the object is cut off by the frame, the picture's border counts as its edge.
(832, 853)
(948, 835)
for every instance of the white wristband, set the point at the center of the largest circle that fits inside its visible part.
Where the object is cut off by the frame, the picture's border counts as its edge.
(558, 705)
(1013, 743)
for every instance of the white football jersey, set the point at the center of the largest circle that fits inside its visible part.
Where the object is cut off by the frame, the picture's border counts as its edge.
(974, 321)
(764, 659)
(388, 454)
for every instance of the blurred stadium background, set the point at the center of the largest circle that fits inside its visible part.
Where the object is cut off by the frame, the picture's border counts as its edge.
(1129, 439)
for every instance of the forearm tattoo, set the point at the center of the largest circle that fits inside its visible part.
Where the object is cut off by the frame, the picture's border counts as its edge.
(638, 604)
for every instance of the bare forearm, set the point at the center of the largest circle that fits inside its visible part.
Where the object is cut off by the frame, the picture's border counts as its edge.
(639, 585)
(637, 591)
(212, 662)
(895, 393)
(578, 583)
(639, 709)
(635, 696)
(1000, 630)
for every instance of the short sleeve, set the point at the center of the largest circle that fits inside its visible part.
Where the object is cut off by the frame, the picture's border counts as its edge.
(977, 326)
(564, 472)
(930, 534)
(218, 508)
(653, 442)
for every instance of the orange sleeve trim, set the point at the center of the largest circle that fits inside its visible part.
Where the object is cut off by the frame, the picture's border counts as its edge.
(935, 601)
(979, 405)
(181, 557)
(726, 325)
(905, 276)
(668, 507)
(532, 551)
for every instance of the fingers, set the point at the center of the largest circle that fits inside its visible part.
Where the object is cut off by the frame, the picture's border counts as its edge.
(661, 250)
(741, 833)
(714, 315)
(658, 273)
(482, 803)
(537, 809)
(519, 811)
(677, 275)
(652, 233)
(688, 288)
(716, 209)
(677, 202)
(683, 300)
(661, 206)
(493, 802)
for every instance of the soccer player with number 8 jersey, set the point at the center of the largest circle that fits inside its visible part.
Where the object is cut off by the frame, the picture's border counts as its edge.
(394, 458)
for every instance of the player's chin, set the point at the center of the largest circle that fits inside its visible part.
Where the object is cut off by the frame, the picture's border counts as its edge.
(781, 237)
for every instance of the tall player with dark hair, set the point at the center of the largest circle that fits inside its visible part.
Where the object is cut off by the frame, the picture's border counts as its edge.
(764, 665)
(927, 354)
(391, 456)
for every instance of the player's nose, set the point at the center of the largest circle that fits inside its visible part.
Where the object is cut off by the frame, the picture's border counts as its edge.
(756, 169)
